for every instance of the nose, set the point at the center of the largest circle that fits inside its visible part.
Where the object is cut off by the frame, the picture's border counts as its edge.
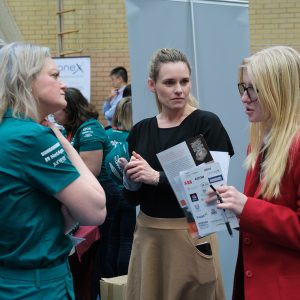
(63, 86)
(178, 88)
(245, 98)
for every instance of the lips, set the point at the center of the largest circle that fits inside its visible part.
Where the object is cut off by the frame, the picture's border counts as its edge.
(248, 109)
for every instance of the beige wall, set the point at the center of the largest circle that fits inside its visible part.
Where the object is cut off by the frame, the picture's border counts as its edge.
(274, 22)
(103, 31)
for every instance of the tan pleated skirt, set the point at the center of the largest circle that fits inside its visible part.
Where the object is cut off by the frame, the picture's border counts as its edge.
(166, 265)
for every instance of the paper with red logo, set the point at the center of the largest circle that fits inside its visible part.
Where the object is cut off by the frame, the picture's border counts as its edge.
(196, 182)
(184, 157)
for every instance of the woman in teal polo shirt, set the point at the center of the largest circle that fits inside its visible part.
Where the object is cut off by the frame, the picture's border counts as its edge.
(89, 138)
(45, 188)
(125, 216)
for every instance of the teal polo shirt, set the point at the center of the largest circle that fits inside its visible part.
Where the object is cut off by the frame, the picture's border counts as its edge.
(91, 136)
(118, 139)
(117, 136)
(33, 167)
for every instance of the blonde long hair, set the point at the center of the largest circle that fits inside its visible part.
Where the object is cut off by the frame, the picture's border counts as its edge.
(275, 74)
(20, 64)
(164, 56)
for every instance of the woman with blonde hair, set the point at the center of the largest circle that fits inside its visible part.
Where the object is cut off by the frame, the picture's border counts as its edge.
(166, 263)
(45, 187)
(125, 214)
(268, 264)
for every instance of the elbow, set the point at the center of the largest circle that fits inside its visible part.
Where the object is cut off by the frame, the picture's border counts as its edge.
(96, 214)
(99, 214)
(95, 219)
(102, 216)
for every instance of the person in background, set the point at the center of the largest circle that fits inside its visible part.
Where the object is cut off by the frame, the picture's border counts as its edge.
(119, 79)
(89, 138)
(125, 216)
(268, 263)
(121, 122)
(45, 187)
(165, 262)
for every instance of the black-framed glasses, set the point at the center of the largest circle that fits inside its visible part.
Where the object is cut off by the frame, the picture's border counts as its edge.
(251, 92)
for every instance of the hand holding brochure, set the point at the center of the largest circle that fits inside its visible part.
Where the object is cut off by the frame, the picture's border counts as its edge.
(197, 182)
(183, 163)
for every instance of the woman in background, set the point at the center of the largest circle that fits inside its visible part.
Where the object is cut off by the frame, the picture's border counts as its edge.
(89, 138)
(125, 215)
(45, 188)
(121, 122)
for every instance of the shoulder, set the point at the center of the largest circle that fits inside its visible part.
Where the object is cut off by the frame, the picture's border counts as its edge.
(91, 125)
(202, 120)
(143, 128)
(204, 116)
(145, 123)
(32, 132)
(35, 140)
(210, 126)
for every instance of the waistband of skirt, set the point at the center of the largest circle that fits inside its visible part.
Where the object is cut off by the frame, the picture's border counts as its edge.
(161, 223)
(35, 275)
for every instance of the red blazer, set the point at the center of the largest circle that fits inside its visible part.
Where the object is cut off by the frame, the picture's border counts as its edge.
(268, 264)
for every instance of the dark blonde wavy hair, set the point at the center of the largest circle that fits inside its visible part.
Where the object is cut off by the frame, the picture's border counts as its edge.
(20, 64)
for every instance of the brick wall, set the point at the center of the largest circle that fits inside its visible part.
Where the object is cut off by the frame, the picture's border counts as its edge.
(274, 22)
(102, 34)
(103, 31)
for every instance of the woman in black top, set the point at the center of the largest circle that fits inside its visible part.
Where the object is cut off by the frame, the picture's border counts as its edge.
(165, 264)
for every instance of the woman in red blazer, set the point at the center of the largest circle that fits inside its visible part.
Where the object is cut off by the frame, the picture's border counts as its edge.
(268, 264)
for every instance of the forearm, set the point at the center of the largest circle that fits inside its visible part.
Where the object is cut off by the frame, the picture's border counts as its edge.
(132, 197)
(110, 112)
(106, 106)
(83, 203)
(69, 220)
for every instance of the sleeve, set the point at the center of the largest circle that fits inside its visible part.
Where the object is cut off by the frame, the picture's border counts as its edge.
(45, 164)
(110, 112)
(92, 136)
(276, 223)
(133, 197)
(106, 106)
(215, 134)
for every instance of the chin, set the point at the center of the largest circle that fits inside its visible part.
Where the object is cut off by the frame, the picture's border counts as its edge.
(63, 103)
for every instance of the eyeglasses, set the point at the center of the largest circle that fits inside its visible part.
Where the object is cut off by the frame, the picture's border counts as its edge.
(251, 92)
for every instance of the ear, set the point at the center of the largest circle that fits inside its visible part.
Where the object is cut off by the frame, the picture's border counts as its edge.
(151, 85)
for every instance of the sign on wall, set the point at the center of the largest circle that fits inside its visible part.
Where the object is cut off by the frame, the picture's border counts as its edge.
(76, 72)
